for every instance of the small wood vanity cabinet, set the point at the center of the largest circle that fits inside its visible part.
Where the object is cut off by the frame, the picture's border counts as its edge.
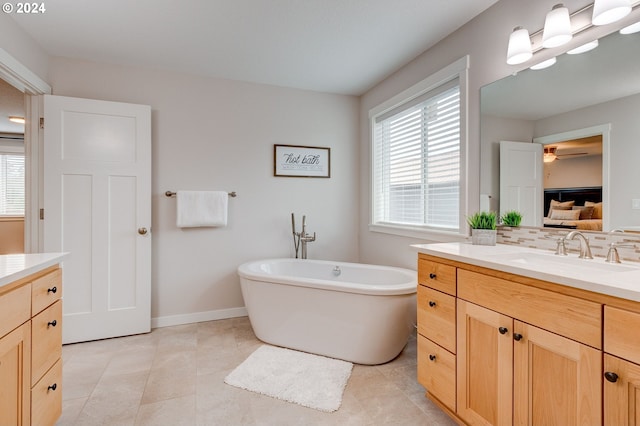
(526, 351)
(31, 349)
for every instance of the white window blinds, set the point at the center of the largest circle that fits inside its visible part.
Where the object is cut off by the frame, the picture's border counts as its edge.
(416, 170)
(12, 184)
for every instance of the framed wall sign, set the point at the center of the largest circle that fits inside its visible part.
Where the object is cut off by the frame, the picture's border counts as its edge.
(301, 161)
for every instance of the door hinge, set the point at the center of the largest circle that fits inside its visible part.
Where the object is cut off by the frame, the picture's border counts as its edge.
(41, 214)
(42, 122)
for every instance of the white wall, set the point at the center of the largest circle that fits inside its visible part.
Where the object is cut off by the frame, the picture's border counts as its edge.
(22, 47)
(485, 40)
(574, 172)
(214, 134)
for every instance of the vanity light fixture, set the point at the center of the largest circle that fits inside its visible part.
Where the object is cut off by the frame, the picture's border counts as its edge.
(560, 27)
(609, 11)
(16, 119)
(557, 27)
(631, 29)
(519, 49)
(584, 48)
(544, 64)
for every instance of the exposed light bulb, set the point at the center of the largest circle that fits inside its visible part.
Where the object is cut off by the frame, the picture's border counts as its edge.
(557, 27)
(584, 48)
(631, 29)
(609, 11)
(519, 49)
(544, 64)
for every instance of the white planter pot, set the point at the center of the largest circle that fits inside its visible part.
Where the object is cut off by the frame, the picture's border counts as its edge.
(483, 237)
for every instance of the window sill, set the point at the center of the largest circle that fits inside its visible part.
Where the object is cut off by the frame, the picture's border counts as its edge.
(421, 233)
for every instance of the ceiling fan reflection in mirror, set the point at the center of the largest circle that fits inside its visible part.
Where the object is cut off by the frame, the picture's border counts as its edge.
(551, 153)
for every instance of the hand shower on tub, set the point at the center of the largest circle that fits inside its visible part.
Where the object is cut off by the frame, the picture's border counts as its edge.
(301, 238)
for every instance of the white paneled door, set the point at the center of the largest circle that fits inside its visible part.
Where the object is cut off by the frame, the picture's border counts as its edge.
(97, 207)
(521, 185)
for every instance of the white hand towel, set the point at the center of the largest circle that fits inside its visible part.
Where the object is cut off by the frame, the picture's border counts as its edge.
(201, 208)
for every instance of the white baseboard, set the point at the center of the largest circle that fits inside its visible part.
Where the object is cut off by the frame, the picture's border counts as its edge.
(198, 317)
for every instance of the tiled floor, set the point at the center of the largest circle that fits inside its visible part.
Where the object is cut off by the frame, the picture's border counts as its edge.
(175, 376)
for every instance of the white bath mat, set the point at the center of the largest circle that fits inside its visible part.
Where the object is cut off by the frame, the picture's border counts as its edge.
(309, 380)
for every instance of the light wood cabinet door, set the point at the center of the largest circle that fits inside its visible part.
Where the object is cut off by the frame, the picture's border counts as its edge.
(15, 376)
(557, 381)
(484, 370)
(46, 397)
(621, 392)
(46, 348)
(437, 371)
(437, 317)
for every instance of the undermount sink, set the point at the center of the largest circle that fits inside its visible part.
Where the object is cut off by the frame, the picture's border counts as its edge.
(555, 263)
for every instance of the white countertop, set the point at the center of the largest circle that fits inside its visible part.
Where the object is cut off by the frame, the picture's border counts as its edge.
(16, 266)
(620, 280)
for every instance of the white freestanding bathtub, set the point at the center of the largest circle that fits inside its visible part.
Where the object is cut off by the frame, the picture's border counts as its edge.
(350, 311)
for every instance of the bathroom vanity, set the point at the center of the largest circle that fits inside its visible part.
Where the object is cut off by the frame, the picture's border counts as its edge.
(512, 335)
(30, 339)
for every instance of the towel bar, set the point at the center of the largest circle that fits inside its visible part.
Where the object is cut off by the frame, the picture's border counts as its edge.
(173, 194)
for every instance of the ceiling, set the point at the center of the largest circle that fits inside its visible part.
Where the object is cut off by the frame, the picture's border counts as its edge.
(334, 46)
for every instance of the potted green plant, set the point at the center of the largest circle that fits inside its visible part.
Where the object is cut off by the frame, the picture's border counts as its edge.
(512, 218)
(483, 228)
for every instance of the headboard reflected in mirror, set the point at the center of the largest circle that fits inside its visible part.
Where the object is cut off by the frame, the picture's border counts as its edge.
(599, 89)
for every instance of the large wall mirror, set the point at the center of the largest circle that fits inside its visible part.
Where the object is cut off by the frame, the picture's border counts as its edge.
(585, 110)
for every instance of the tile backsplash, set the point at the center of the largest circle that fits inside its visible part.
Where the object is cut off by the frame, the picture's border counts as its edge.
(546, 239)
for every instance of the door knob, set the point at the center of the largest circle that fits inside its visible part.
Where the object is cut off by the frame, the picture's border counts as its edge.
(142, 231)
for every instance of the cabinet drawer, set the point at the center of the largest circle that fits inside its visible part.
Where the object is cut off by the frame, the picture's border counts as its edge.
(46, 290)
(437, 275)
(46, 346)
(621, 337)
(577, 319)
(437, 317)
(15, 308)
(437, 371)
(46, 397)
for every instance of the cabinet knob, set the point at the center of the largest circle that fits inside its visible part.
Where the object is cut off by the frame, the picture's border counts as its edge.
(53, 290)
(52, 324)
(432, 276)
(432, 357)
(612, 377)
(142, 231)
(517, 337)
(52, 387)
(503, 330)
(432, 303)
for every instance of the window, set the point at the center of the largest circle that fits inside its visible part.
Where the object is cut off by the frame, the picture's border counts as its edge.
(417, 149)
(12, 184)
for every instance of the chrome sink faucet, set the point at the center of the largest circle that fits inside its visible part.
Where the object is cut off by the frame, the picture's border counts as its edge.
(585, 249)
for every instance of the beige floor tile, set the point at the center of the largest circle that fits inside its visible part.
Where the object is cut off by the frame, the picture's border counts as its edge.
(175, 376)
(170, 412)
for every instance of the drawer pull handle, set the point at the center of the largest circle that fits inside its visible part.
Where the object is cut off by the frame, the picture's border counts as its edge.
(432, 357)
(52, 324)
(52, 387)
(432, 276)
(432, 303)
(612, 377)
(517, 337)
(53, 290)
(503, 330)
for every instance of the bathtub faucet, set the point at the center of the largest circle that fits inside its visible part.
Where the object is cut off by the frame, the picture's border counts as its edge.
(300, 239)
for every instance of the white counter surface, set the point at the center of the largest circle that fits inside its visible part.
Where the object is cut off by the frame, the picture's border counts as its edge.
(620, 280)
(16, 266)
